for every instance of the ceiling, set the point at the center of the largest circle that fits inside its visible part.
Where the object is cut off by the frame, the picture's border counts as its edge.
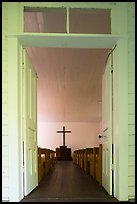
(69, 79)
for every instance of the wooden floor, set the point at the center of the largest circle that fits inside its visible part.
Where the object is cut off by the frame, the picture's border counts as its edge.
(68, 183)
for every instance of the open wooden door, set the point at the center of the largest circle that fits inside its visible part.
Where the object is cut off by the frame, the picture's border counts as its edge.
(30, 125)
(107, 126)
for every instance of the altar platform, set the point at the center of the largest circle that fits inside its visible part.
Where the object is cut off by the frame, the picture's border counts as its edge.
(63, 153)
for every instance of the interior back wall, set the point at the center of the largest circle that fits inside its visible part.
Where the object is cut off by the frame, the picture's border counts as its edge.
(82, 135)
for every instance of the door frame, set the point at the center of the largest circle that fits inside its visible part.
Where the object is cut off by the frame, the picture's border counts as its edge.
(120, 83)
(123, 123)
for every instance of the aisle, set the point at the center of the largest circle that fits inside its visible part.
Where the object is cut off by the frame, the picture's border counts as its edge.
(67, 182)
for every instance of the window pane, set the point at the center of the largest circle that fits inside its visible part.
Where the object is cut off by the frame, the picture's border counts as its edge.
(90, 21)
(49, 20)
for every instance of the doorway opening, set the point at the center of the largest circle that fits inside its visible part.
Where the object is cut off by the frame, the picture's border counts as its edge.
(70, 95)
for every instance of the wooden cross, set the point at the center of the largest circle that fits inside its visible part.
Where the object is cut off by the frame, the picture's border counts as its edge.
(63, 131)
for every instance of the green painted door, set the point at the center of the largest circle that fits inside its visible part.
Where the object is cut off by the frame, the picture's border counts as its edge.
(107, 127)
(30, 125)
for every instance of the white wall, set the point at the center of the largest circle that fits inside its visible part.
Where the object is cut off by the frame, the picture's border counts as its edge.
(5, 155)
(82, 135)
(131, 101)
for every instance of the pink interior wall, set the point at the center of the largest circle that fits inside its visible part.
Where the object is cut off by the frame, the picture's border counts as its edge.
(82, 135)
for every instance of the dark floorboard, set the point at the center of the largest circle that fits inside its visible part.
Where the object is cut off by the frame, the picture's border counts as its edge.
(68, 183)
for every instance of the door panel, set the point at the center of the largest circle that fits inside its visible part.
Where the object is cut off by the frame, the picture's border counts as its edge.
(107, 127)
(30, 125)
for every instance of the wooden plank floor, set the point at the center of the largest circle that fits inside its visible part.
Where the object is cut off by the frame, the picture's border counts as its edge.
(68, 183)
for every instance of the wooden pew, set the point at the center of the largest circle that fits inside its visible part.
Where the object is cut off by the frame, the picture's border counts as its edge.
(40, 166)
(46, 158)
(52, 158)
(74, 157)
(92, 163)
(82, 151)
(90, 159)
(77, 156)
(98, 164)
(80, 155)
(87, 160)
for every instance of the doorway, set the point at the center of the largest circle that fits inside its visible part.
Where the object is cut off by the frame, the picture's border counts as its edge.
(44, 18)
